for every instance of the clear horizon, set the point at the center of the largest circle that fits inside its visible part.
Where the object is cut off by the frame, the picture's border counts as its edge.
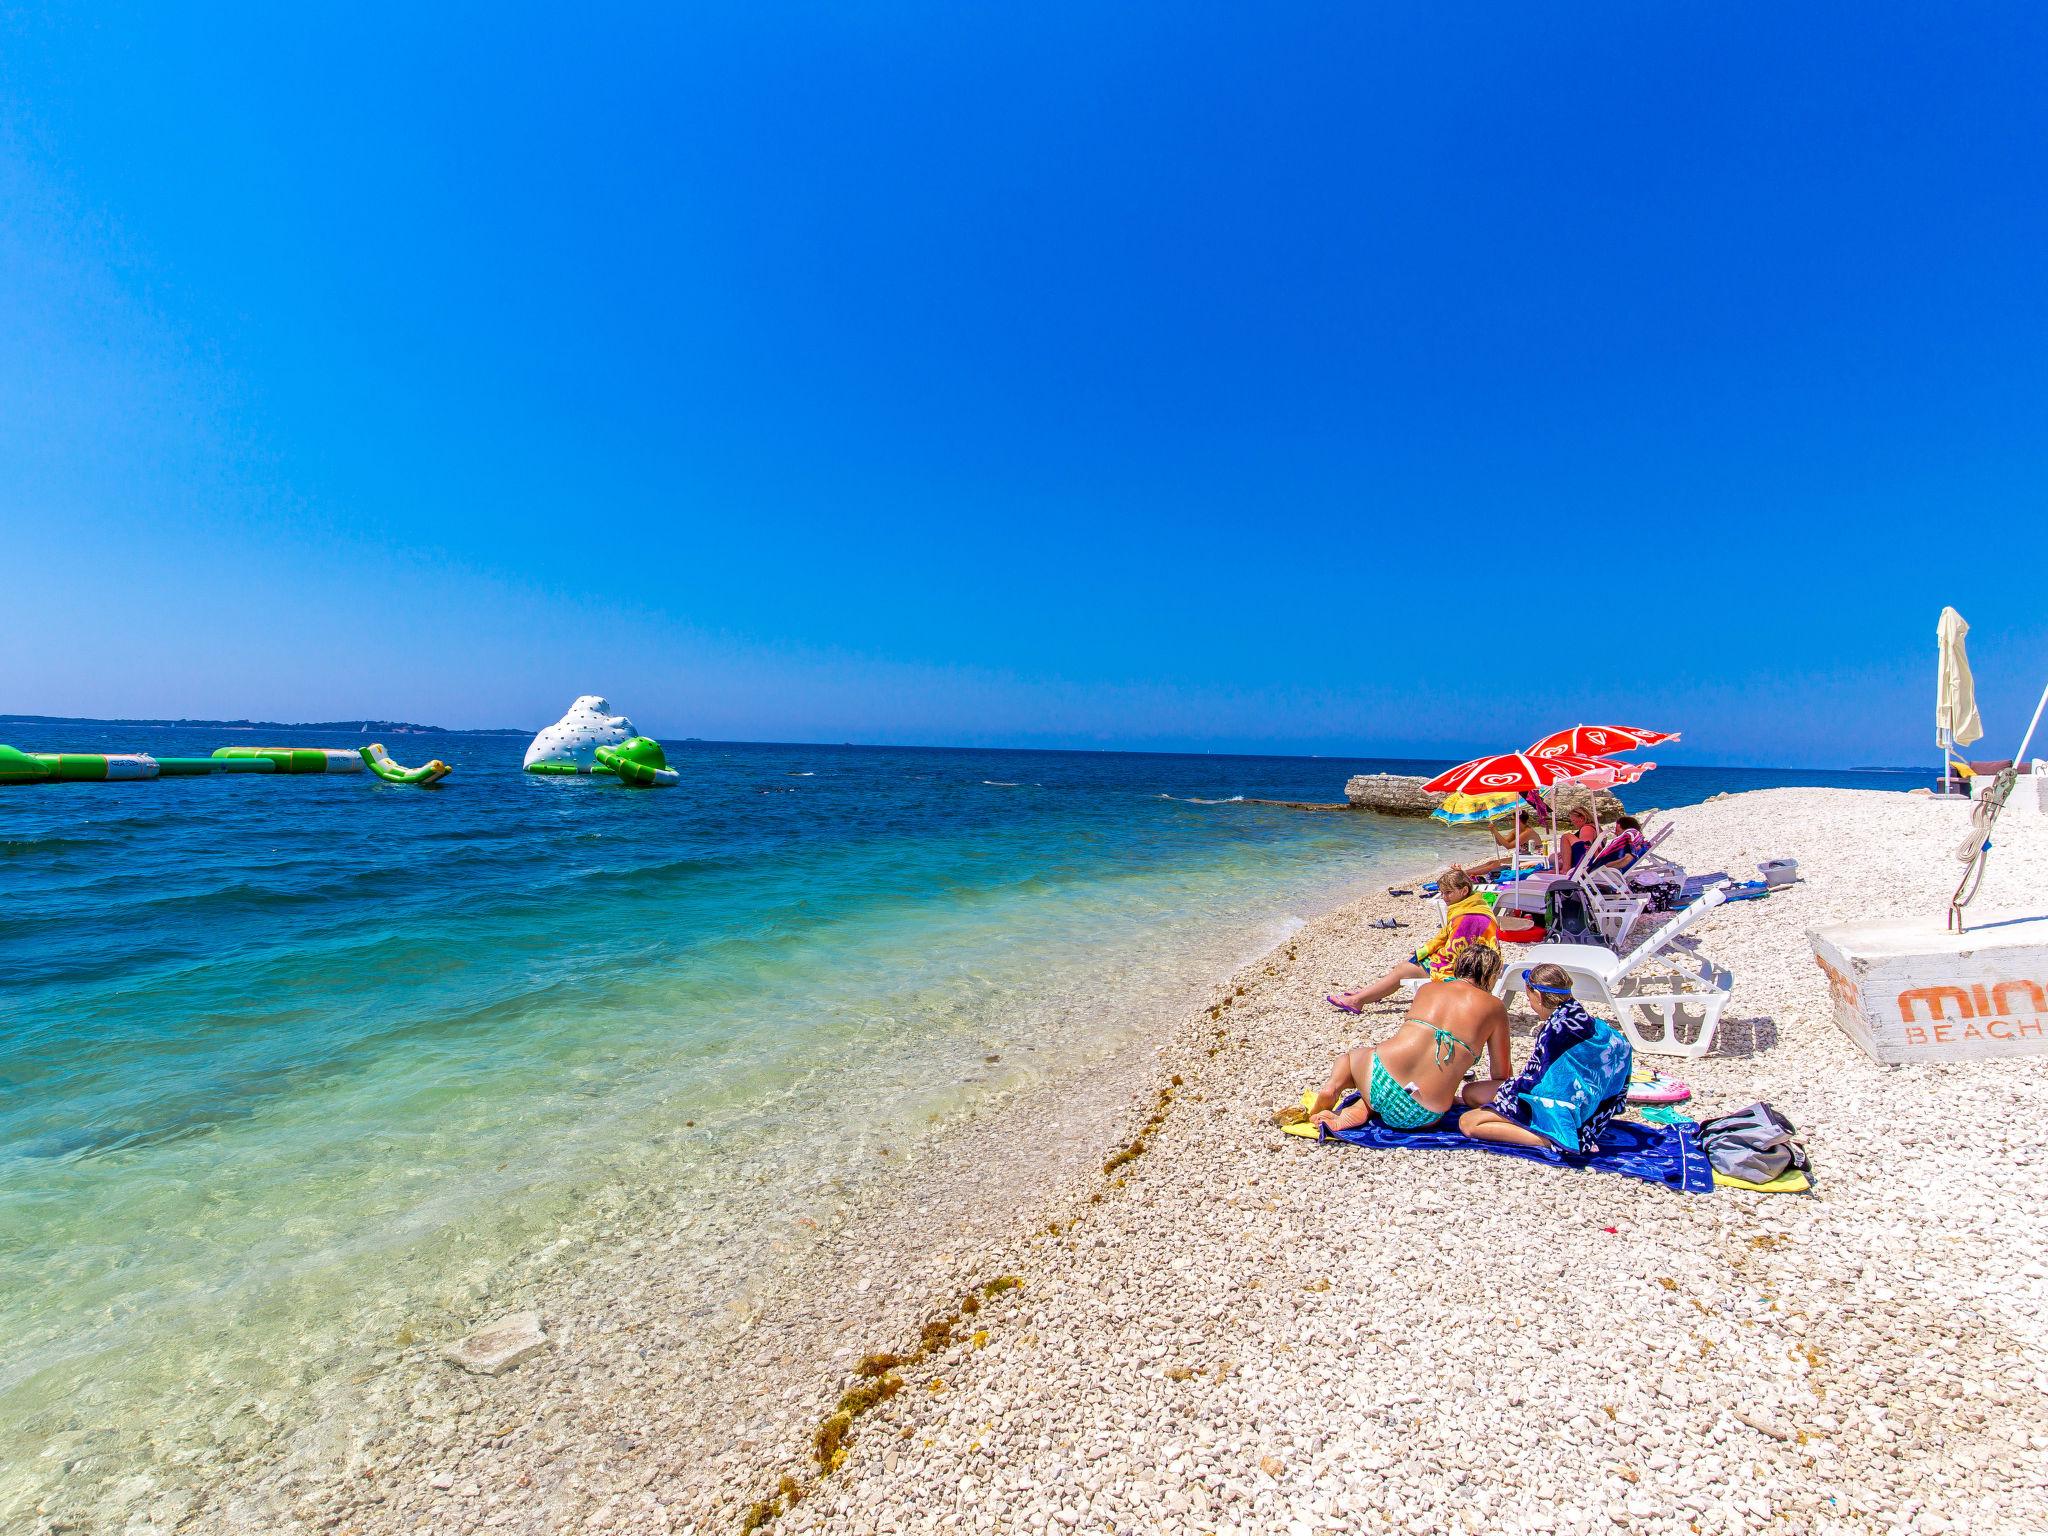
(1402, 384)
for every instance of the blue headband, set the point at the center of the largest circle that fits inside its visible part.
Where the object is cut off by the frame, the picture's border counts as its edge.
(1537, 986)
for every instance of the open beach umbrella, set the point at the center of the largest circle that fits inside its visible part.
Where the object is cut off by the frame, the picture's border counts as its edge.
(1598, 741)
(1463, 810)
(1514, 772)
(1519, 773)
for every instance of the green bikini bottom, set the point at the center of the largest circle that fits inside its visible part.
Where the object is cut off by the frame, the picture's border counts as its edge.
(1395, 1105)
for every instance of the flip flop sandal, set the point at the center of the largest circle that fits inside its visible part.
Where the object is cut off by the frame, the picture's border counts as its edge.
(1648, 1086)
(1664, 1114)
(1340, 1007)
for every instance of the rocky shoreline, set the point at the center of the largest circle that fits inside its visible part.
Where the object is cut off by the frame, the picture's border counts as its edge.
(1122, 1302)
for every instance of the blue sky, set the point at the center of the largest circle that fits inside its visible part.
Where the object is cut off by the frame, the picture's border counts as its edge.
(1327, 378)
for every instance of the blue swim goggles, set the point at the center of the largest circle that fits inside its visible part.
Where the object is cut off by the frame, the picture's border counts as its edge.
(1537, 986)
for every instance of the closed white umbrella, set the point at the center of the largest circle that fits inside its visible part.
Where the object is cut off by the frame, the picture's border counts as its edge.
(1955, 694)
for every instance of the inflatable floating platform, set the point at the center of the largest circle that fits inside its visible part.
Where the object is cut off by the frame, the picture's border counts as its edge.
(295, 759)
(591, 739)
(17, 767)
(379, 762)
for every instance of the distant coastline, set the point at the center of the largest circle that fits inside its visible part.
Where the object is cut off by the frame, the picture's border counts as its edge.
(382, 727)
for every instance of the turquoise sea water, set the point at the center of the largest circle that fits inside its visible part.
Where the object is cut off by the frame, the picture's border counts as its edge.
(286, 1060)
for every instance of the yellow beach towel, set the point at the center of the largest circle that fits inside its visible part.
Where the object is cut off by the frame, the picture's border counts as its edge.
(1793, 1181)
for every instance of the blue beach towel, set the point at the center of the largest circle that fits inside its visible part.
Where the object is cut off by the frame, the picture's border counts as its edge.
(1658, 1154)
(1575, 1081)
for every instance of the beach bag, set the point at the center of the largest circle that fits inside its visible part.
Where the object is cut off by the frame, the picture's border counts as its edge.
(1664, 889)
(1568, 918)
(1757, 1144)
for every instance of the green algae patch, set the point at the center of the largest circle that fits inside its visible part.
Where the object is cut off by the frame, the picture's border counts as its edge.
(858, 1399)
(829, 1443)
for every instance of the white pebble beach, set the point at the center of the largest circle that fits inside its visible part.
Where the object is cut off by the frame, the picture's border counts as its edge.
(1240, 1331)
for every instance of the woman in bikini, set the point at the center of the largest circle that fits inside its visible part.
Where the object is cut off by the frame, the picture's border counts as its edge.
(1411, 1079)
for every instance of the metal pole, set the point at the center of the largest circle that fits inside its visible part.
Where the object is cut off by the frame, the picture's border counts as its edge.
(2027, 740)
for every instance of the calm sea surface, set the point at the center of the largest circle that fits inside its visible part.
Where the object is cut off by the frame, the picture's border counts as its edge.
(283, 1059)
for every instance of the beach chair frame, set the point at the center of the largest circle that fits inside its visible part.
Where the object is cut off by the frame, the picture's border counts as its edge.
(1677, 1014)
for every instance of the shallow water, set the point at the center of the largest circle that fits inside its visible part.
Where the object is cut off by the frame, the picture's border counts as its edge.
(288, 1060)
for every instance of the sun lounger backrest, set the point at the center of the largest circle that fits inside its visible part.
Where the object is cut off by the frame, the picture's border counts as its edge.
(1681, 920)
(1644, 845)
(1610, 855)
(1647, 847)
(1605, 849)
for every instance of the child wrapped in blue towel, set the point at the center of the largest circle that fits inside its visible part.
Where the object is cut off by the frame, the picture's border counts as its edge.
(1575, 1082)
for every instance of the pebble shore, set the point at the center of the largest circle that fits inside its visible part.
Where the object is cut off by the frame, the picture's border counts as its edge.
(1129, 1304)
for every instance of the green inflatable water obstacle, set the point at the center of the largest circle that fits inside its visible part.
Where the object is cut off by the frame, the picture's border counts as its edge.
(638, 761)
(379, 762)
(90, 767)
(18, 767)
(297, 759)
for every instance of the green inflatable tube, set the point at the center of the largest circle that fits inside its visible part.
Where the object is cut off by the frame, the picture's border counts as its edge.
(298, 759)
(18, 767)
(379, 762)
(95, 767)
(638, 761)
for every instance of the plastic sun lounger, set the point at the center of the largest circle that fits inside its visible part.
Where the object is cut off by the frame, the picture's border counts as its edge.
(1647, 1011)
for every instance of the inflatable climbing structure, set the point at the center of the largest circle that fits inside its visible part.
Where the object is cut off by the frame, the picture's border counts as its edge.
(591, 739)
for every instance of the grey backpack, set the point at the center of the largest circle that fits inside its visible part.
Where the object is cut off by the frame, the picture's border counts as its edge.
(1757, 1144)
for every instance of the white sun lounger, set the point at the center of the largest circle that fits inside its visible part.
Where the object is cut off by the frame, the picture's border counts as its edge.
(1647, 1007)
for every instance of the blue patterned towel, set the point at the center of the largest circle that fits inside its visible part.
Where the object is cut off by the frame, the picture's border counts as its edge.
(1659, 1154)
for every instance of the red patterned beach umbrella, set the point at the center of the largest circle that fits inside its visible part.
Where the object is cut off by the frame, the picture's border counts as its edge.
(1512, 772)
(1598, 741)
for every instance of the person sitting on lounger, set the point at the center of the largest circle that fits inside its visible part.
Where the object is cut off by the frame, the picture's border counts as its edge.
(1575, 842)
(1626, 843)
(1574, 1083)
(1519, 854)
(1468, 920)
(1411, 1079)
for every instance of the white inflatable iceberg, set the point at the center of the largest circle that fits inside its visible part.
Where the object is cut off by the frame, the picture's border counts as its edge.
(570, 744)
